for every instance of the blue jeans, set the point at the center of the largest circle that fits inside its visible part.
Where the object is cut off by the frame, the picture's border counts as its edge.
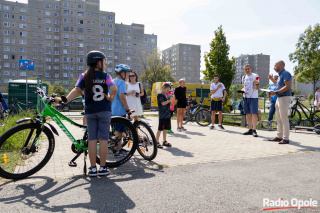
(272, 110)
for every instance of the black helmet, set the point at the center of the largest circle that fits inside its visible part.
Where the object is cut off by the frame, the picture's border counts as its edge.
(94, 56)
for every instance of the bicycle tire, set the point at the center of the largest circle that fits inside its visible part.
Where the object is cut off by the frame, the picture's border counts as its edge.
(130, 142)
(315, 118)
(147, 146)
(20, 165)
(295, 115)
(13, 110)
(185, 119)
(203, 117)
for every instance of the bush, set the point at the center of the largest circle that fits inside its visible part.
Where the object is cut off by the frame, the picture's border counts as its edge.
(310, 97)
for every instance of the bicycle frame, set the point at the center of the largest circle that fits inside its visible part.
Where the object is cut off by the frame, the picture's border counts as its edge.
(56, 115)
(302, 107)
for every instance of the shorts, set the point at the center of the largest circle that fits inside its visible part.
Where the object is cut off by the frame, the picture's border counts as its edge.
(216, 106)
(164, 124)
(182, 104)
(250, 105)
(98, 125)
(120, 127)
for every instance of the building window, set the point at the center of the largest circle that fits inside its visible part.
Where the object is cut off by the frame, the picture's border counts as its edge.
(48, 13)
(110, 18)
(23, 74)
(80, 14)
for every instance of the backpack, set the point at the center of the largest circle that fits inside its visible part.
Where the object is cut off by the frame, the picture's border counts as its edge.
(143, 98)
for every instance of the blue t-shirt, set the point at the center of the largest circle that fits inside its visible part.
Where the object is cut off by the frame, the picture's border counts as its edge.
(96, 101)
(164, 110)
(284, 75)
(118, 109)
(274, 88)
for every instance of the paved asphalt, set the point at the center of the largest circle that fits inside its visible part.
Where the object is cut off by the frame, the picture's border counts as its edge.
(227, 186)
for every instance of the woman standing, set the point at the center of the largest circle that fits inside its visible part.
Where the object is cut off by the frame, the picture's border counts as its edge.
(134, 92)
(317, 98)
(180, 96)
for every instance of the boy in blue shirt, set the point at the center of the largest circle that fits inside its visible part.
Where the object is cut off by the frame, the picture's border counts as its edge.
(119, 104)
(164, 115)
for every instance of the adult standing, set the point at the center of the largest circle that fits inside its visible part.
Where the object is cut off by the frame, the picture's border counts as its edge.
(250, 87)
(272, 98)
(317, 98)
(283, 93)
(218, 95)
(134, 92)
(180, 97)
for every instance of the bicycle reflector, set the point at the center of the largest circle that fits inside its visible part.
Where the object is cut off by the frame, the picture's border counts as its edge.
(5, 158)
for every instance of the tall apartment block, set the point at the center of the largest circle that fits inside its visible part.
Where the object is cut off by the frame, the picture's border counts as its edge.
(184, 60)
(57, 35)
(260, 64)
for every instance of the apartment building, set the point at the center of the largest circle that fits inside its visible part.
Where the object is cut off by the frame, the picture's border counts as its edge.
(57, 35)
(260, 64)
(184, 60)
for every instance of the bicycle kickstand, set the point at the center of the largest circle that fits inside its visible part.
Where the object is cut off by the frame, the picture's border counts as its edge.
(72, 163)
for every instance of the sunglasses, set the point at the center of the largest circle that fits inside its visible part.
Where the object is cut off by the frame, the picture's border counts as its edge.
(132, 76)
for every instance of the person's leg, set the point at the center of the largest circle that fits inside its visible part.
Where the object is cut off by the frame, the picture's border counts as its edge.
(249, 120)
(284, 107)
(254, 121)
(220, 117)
(92, 148)
(272, 110)
(279, 121)
(158, 135)
(178, 117)
(135, 117)
(164, 135)
(213, 117)
(181, 116)
(120, 136)
(84, 122)
(103, 152)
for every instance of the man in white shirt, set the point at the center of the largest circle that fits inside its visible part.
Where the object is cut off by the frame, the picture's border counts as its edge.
(218, 96)
(251, 86)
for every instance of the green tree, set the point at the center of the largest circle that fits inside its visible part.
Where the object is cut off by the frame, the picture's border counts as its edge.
(217, 60)
(307, 55)
(155, 70)
(310, 98)
(59, 90)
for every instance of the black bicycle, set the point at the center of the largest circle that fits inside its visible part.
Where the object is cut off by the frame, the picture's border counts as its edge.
(16, 107)
(197, 113)
(311, 116)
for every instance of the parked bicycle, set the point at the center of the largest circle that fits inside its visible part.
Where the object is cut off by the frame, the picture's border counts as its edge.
(311, 116)
(27, 147)
(18, 107)
(199, 114)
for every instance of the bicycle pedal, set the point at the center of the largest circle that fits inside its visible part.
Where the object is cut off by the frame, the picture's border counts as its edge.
(72, 164)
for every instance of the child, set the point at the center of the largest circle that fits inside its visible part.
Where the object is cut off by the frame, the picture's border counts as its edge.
(317, 98)
(164, 115)
(96, 83)
(169, 95)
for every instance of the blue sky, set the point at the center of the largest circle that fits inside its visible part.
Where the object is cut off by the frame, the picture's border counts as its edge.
(251, 26)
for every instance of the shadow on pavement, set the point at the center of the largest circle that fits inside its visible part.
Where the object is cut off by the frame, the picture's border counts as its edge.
(195, 133)
(101, 194)
(178, 152)
(179, 135)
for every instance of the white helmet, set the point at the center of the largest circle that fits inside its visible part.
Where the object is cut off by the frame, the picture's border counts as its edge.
(122, 68)
(170, 83)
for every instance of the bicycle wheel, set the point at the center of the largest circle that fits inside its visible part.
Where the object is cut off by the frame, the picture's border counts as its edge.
(129, 142)
(147, 146)
(185, 118)
(295, 115)
(17, 158)
(13, 111)
(263, 125)
(315, 118)
(203, 117)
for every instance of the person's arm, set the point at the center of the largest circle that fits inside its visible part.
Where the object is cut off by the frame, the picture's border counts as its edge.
(74, 93)
(224, 95)
(272, 79)
(113, 92)
(256, 84)
(124, 100)
(166, 102)
(214, 91)
(287, 86)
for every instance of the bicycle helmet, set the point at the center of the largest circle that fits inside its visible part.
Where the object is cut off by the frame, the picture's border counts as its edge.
(94, 56)
(122, 68)
(170, 83)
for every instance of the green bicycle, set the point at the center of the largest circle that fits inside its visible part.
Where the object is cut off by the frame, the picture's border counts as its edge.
(27, 147)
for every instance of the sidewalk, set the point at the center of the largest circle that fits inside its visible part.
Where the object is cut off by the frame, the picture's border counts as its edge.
(195, 146)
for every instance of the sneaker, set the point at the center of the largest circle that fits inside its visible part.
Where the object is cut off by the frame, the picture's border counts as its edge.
(221, 127)
(117, 154)
(169, 131)
(179, 129)
(183, 129)
(249, 132)
(123, 151)
(93, 171)
(211, 127)
(254, 133)
(103, 171)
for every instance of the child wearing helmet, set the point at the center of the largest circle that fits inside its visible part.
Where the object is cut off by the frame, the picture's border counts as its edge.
(95, 83)
(119, 104)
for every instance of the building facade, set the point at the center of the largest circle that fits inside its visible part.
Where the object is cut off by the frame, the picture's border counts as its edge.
(305, 89)
(57, 35)
(184, 60)
(260, 64)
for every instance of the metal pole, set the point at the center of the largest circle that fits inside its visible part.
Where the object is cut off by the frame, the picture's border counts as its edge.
(26, 89)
